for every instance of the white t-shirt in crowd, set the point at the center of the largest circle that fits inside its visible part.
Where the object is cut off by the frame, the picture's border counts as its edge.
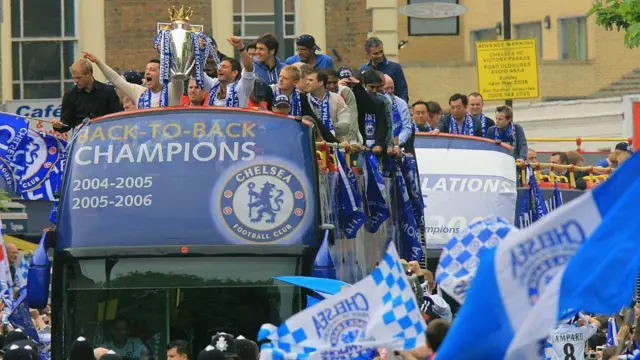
(133, 349)
(568, 341)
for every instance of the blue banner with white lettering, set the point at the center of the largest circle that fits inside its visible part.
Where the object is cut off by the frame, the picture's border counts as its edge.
(537, 201)
(376, 205)
(352, 216)
(13, 133)
(190, 177)
(410, 174)
(408, 227)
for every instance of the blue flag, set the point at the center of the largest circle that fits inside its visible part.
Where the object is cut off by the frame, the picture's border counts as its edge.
(612, 332)
(13, 138)
(523, 208)
(408, 227)
(556, 199)
(351, 214)
(20, 317)
(537, 200)
(410, 172)
(45, 158)
(377, 206)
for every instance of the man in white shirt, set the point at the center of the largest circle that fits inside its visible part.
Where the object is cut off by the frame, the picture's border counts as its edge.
(153, 95)
(234, 84)
(569, 338)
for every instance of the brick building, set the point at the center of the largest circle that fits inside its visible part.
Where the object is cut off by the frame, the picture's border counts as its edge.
(577, 58)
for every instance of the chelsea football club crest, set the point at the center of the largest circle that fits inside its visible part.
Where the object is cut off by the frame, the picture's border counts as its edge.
(33, 164)
(263, 203)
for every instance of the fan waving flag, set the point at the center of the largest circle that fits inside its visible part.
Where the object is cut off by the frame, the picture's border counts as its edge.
(380, 311)
(612, 332)
(514, 275)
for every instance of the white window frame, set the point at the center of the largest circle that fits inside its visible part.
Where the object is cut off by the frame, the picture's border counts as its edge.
(243, 22)
(57, 39)
(516, 27)
(563, 41)
(474, 38)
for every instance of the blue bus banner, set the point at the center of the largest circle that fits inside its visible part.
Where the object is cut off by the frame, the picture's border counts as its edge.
(190, 177)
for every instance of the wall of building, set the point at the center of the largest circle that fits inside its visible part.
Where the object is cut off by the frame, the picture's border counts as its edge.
(347, 26)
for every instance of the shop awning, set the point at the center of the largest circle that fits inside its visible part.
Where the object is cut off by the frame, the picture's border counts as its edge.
(22, 245)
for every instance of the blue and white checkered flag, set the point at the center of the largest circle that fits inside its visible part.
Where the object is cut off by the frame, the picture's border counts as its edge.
(460, 257)
(380, 311)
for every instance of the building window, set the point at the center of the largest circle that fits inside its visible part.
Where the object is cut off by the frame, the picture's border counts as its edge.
(573, 38)
(44, 45)
(531, 31)
(252, 18)
(481, 35)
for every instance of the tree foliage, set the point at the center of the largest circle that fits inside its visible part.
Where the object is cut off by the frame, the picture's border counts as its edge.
(621, 15)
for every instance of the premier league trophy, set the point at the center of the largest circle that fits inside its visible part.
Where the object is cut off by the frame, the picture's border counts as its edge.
(183, 47)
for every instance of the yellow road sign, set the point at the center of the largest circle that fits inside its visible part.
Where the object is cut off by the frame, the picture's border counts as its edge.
(507, 69)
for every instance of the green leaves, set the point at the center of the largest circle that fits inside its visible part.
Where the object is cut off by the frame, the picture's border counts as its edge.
(621, 15)
(4, 197)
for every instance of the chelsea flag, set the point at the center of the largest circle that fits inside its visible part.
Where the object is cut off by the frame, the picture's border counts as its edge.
(380, 311)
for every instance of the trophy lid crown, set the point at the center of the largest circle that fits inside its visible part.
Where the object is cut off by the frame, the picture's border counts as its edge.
(180, 15)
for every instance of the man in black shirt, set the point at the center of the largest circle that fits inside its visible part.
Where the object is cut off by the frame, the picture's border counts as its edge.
(88, 98)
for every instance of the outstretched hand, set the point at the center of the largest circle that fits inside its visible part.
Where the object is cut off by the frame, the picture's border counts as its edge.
(89, 56)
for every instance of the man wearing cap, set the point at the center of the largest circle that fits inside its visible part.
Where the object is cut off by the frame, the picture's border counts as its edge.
(378, 61)
(89, 98)
(281, 105)
(306, 47)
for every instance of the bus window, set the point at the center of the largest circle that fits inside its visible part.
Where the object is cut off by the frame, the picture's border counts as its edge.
(137, 305)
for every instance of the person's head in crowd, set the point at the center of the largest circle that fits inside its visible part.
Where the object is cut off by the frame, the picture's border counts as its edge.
(178, 350)
(247, 349)
(211, 353)
(152, 75)
(436, 332)
(559, 158)
(81, 349)
(375, 50)
(372, 81)
(316, 83)
(574, 158)
(420, 112)
(289, 78)
(119, 330)
(610, 353)
(229, 71)
(458, 104)
(16, 352)
(128, 104)
(305, 69)
(333, 79)
(435, 113)
(17, 334)
(621, 157)
(532, 155)
(306, 47)
(224, 342)
(195, 93)
(98, 352)
(388, 86)
(82, 74)
(504, 117)
(266, 48)
(132, 77)
(110, 355)
(251, 49)
(476, 104)
(282, 104)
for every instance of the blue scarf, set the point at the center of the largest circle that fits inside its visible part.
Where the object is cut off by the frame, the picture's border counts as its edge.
(323, 107)
(232, 96)
(370, 129)
(397, 119)
(145, 99)
(296, 106)
(507, 136)
(467, 126)
(483, 122)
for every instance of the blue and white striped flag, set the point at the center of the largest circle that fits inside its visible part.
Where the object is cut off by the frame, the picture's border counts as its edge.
(612, 332)
(614, 241)
(380, 311)
(460, 257)
(514, 275)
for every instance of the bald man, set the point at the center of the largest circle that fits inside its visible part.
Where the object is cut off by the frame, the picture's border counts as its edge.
(98, 352)
(402, 128)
